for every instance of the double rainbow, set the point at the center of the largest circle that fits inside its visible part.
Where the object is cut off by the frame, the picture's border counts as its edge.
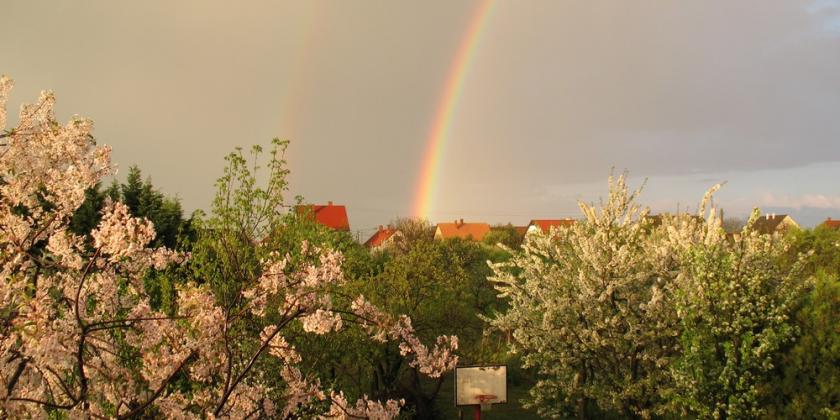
(427, 188)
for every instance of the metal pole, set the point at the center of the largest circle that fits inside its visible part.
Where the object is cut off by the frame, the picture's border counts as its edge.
(478, 412)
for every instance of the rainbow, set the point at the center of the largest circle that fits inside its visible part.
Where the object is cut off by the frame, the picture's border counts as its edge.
(427, 186)
(294, 93)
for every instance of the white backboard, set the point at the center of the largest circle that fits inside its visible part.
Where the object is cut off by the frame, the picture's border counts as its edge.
(471, 381)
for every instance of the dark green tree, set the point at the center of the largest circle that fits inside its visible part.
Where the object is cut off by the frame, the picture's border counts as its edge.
(87, 216)
(132, 189)
(819, 245)
(807, 382)
(143, 200)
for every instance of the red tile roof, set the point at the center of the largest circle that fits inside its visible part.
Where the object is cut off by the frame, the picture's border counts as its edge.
(459, 229)
(381, 235)
(330, 215)
(829, 223)
(546, 224)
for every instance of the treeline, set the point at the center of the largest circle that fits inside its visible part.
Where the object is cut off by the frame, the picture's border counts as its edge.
(264, 314)
(613, 317)
(441, 285)
(172, 230)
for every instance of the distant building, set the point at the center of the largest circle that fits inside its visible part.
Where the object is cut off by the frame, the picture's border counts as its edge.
(383, 238)
(545, 225)
(330, 215)
(830, 224)
(772, 223)
(459, 229)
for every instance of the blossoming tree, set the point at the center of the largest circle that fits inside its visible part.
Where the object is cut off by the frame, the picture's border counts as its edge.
(643, 316)
(79, 335)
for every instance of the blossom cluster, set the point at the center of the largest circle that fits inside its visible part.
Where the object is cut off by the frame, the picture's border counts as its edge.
(382, 327)
(78, 331)
(624, 310)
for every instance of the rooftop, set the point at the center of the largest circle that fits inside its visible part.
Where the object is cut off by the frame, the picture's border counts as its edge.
(329, 215)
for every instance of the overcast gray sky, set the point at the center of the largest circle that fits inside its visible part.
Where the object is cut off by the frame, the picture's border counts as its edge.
(685, 94)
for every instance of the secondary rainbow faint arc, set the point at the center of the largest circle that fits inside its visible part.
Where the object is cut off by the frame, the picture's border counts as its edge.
(426, 193)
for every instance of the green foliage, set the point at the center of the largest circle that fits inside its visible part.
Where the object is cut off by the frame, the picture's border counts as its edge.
(248, 225)
(87, 216)
(647, 321)
(808, 375)
(296, 229)
(132, 189)
(412, 231)
(143, 200)
(807, 378)
(505, 235)
(821, 247)
(644, 319)
(236, 236)
(734, 308)
(441, 285)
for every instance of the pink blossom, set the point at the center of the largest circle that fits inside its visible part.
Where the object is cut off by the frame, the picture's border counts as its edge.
(73, 317)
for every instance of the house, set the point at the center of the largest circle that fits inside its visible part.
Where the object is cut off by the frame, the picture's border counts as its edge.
(830, 224)
(545, 225)
(459, 229)
(772, 223)
(330, 215)
(383, 238)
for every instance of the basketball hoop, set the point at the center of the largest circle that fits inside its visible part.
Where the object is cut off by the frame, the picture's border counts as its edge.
(480, 387)
(486, 401)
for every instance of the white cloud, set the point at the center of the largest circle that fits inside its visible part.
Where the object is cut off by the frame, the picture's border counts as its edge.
(798, 202)
(827, 14)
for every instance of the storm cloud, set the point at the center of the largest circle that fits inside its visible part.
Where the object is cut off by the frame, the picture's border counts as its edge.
(556, 95)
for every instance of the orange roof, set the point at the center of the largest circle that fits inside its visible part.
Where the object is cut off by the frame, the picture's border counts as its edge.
(834, 224)
(331, 216)
(546, 224)
(521, 230)
(459, 229)
(381, 235)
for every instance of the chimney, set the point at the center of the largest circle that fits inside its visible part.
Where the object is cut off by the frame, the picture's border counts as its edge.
(461, 221)
(381, 228)
(329, 203)
(767, 216)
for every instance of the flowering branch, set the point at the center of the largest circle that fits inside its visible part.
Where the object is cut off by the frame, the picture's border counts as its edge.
(81, 337)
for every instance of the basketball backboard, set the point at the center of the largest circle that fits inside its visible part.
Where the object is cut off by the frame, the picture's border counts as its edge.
(476, 383)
